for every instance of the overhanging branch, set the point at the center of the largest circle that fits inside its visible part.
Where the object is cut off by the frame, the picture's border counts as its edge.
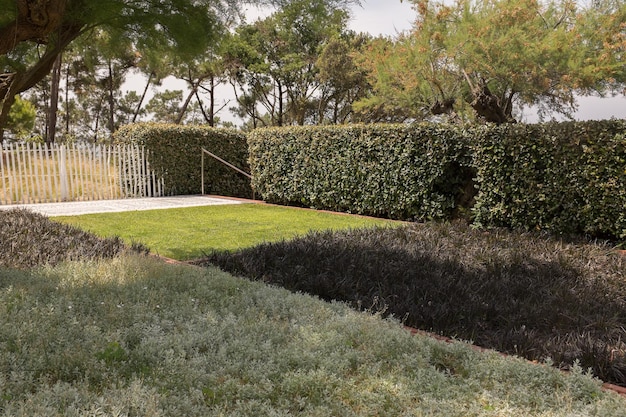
(35, 21)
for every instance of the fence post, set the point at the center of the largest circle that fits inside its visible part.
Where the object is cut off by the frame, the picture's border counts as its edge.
(202, 171)
(63, 173)
(4, 157)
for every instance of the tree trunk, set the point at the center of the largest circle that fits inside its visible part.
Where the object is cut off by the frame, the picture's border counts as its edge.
(207, 117)
(488, 106)
(54, 100)
(67, 101)
(183, 109)
(97, 124)
(211, 103)
(111, 100)
(143, 96)
(36, 20)
(7, 98)
(280, 104)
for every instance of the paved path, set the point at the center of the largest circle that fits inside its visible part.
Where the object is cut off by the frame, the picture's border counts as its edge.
(73, 208)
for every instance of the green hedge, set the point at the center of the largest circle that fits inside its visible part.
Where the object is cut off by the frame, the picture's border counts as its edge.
(396, 171)
(561, 177)
(175, 154)
(566, 178)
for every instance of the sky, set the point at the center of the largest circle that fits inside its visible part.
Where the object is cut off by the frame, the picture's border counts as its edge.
(382, 17)
(388, 18)
(378, 17)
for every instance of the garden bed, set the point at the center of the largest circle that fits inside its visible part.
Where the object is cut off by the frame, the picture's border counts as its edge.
(132, 335)
(519, 293)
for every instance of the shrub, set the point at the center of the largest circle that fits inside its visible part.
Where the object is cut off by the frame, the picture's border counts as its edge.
(519, 293)
(137, 337)
(175, 154)
(30, 239)
(396, 171)
(567, 178)
(563, 177)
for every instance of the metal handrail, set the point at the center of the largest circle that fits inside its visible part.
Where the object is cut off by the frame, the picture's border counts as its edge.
(228, 164)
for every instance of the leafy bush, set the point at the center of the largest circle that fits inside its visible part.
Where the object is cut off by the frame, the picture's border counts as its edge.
(176, 156)
(30, 239)
(134, 336)
(562, 177)
(519, 293)
(396, 171)
(567, 178)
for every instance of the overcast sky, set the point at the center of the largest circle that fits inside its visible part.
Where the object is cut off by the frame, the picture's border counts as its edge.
(389, 17)
(378, 17)
(382, 17)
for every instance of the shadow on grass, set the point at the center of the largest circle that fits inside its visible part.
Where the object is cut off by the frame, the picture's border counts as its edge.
(518, 293)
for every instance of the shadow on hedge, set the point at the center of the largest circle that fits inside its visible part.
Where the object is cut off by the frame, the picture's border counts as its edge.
(518, 293)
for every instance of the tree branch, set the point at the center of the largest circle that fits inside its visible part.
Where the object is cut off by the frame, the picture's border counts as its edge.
(35, 21)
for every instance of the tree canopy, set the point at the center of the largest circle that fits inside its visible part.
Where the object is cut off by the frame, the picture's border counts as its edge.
(482, 58)
(34, 32)
(273, 62)
(462, 60)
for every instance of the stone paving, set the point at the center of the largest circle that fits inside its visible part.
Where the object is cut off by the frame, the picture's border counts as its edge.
(73, 208)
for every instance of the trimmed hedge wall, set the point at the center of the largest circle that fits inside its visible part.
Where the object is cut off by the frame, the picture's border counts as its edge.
(175, 153)
(567, 178)
(396, 171)
(562, 177)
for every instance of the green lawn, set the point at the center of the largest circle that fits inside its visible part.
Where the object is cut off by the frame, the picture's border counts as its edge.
(189, 233)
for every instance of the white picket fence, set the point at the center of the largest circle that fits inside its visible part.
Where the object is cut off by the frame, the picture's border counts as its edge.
(41, 173)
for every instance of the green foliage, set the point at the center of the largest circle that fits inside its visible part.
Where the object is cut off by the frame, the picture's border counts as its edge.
(95, 67)
(567, 178)
(176, 156)
(21, 118)
(488, 59)
(408, 81)
(397, 171)
(274, 61)
(112, 353)
(30, 239)
(181, 28)
(561, 177)
(343, 80)
(520, 293)
(136, 337)
(165, 106)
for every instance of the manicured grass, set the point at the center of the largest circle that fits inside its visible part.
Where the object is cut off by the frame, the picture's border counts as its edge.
(189, 233)
(133, 336)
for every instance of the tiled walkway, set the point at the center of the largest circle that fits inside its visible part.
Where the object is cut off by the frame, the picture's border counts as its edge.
(130, 204)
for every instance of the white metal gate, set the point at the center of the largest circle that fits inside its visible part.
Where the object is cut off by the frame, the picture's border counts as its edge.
(41, 173)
